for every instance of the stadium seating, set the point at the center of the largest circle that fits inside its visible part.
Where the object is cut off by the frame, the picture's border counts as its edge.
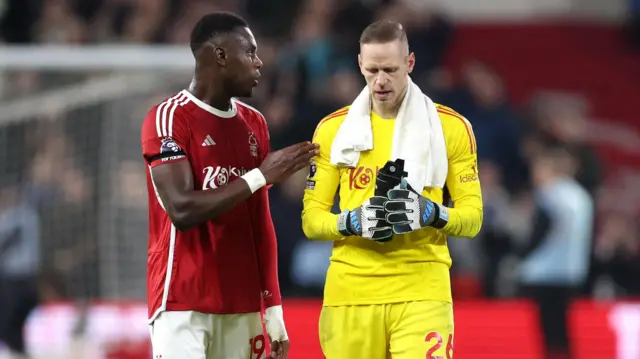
(591, 60)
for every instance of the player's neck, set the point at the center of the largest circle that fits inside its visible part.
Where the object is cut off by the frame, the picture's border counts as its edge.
(388, 112)
(211, 95)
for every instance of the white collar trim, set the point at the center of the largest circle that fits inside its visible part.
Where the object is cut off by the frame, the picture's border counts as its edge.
(224, 114)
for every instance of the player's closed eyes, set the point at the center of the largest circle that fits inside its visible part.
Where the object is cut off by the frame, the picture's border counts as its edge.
(388, 70)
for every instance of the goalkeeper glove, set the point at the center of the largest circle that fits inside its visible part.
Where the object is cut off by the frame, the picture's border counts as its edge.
(368, 220)
(389, 177)
(363, 221)
(408, 211)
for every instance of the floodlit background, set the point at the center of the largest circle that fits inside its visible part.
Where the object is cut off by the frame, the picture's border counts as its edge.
(78, 76)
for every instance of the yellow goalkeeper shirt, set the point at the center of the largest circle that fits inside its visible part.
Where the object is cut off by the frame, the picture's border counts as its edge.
(410, 267)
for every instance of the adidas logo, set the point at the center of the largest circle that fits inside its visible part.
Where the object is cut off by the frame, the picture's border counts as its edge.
(208, 141)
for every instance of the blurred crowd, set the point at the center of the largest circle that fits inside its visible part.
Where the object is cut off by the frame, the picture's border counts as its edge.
(538, 171)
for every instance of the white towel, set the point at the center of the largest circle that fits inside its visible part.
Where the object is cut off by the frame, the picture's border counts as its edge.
(417, 138)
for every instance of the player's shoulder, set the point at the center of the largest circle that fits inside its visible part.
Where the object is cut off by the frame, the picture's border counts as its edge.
(330, 124)
(452, 120)
(249, 112)
(457, 129)
(166, 114)
(172, 105)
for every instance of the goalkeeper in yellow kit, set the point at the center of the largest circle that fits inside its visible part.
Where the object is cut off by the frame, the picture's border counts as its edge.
(389, 296)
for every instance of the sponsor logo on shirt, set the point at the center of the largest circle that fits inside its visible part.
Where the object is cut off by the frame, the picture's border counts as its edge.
(362, 177)
(468, 178)
(219, 176)
(472, 177)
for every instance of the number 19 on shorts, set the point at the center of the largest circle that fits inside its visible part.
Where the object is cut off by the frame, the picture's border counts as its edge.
(257, 347)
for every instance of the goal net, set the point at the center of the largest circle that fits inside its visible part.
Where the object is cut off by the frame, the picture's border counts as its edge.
(70, 123)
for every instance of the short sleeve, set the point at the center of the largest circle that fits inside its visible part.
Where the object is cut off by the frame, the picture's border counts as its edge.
(165, 137)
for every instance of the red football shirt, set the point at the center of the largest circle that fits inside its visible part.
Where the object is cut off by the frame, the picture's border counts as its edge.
(228, 264)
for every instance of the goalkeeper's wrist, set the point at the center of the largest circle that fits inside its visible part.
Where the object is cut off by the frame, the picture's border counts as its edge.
(274, 323)
(344, 224)
(441, 217)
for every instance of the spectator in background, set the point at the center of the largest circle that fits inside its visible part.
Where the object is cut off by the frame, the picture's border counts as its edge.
(303, 263)
(307, 61)
(617, 252)
(561, 118)
(483, 101)
(494, 239)
(351, 16)
(19, 265)
(59, 24)
(555, 260)
(128, 186)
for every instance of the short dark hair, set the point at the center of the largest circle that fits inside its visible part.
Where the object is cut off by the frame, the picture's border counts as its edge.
(212, 25)
(383, 31)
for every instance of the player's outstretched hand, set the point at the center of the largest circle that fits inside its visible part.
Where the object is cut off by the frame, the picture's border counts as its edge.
(279, 165)
(279, 349)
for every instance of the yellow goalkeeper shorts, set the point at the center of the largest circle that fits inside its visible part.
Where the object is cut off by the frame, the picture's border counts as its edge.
(409, 330)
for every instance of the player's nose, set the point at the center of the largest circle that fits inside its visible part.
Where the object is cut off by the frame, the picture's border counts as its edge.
(381, 77)
(381, 81)
(257, 63)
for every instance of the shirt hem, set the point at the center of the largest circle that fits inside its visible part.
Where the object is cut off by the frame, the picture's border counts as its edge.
(379, 301)
(207, 310)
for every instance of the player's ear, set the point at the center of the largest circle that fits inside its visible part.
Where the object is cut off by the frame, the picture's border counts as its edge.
(220, 54)
(360, 63)
(411, 61)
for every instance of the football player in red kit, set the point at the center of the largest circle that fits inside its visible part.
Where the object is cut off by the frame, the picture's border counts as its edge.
(212, 246)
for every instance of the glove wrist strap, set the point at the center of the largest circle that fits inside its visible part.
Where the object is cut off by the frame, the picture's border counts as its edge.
(442, 216)
(343, 223)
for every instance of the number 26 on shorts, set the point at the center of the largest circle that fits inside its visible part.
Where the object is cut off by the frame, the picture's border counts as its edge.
(257, 347)
(436, 339)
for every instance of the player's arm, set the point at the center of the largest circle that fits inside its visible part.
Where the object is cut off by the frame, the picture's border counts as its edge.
(187, 207)
(172, 177)
(267, 250)
(464, 219)
(318, 223)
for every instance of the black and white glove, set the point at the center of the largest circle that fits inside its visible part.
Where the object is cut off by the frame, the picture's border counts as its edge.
(368, 220)
(365, 220)
(389, 177)
(408, 211)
